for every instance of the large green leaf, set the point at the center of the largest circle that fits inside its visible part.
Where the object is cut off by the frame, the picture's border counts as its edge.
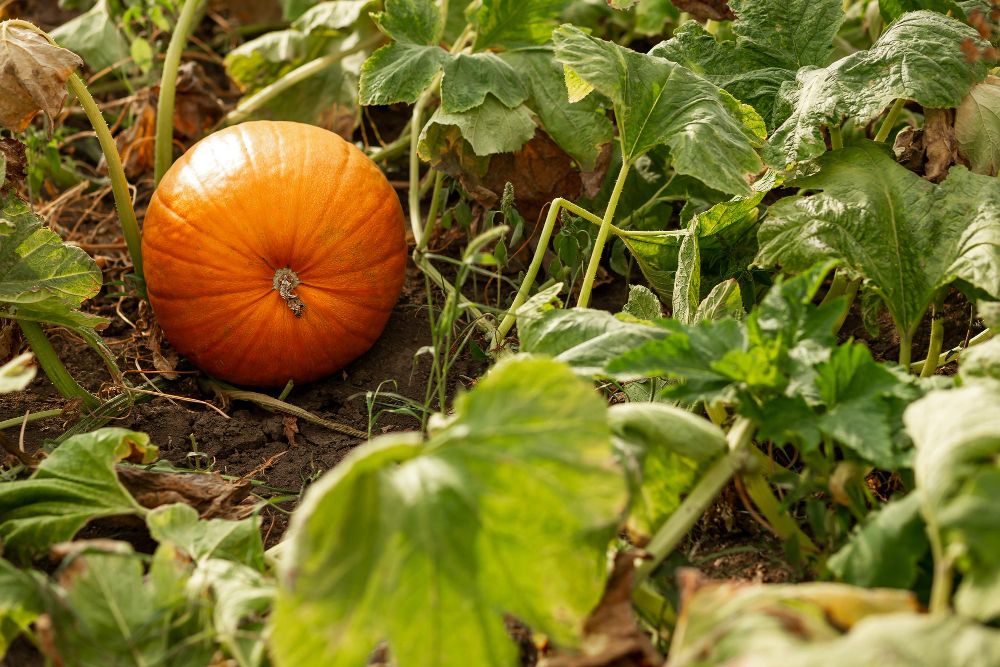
(513, 24)
(506, 510)
(885, 551)
(666, 450)
(468, 79)
(717, 229)
(977, 127)
(580, 128)
(584, 338)
(399, 73)
(981, 361)
(179, 525)
(893, 9)
(75, 484)
(94, 37)
(36, 269)
(20, 603)
(411, 21)
(920, 57)
(659, 102)
(489, 128)
(906, 236)
(957, 437)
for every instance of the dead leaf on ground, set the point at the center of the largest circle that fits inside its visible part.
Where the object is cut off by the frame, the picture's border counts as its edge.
(717, 10)
(940, 144)
(611, 637)
(909, 148)
(33, 75)
(291, 426)
(210, 494)
(14, 157)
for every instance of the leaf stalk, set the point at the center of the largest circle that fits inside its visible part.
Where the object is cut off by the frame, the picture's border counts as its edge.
(602, 237)
(53, 365)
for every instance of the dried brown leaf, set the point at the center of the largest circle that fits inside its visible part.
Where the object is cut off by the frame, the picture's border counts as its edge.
(33, 75)
(909, 148)
(940, 143)
(611, 637)
(15, 158)
(209, 493)
(291, 426)
(717, 10)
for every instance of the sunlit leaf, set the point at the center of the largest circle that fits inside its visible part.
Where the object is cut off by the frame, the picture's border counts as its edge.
(511, 24)
(977, 127)
(94, 36)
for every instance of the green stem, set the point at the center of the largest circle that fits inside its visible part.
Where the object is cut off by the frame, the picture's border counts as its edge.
(602, 237)
(951, 355)
(34, 416)
(164, 149)
(425, 236)
(119, 184)
(416, 124)
(890, 120)
(760, 493)
(695, 504)
(481, 322)
(837, 288)
(943, 574)
(937, 336)
(851, 293)
(53, 366)
(394, 149)
(836, 138)
(297, 75)
(905, 352)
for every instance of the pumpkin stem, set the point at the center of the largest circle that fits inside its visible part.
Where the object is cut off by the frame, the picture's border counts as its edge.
(285, 280)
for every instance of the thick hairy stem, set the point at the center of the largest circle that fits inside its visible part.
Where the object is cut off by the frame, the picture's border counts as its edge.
(53, 365)
(680, 522)
(937, 336)
(164, 149)
(905, 352)
(602, 237)
(890, 120)
(836, 138)
(297, 75)
(954, 353)
(760, 493)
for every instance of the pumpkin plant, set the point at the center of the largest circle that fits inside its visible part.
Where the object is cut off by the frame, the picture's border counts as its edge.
(275, 252)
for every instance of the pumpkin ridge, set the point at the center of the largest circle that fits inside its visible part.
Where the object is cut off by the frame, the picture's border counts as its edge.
(363, 222)
(183, 218)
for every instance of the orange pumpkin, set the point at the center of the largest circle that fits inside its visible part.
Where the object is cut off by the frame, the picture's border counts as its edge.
(273, 251)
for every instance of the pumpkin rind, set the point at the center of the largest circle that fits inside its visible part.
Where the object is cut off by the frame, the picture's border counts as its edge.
(254, 199)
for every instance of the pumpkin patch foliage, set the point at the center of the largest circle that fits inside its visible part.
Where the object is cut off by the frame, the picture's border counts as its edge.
(570, 333)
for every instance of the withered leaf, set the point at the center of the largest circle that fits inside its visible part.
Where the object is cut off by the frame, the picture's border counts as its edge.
(940, 143)
(210, 494)
(13, 161)
(33, 75)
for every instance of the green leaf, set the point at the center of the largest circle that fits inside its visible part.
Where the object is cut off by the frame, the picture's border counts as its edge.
(906, 236)
(862, 412)
(718, 228)
(489, 128)
(642, 304)
(723, 301)
(20, 603)
(981, 361)
(919, 57)
(142, 54)
(580, 128)
(585, 339)
(977, 127)
(36, 269)
(885, 551)
(687, 280)
(957, 438)
(659, 102)
(651, 16)
(893, 9)
(293, 9)
(94, 37)
(513, 24)
(411, 21)
(17, 373)
(75, 484)
(179, 525)
(506, 510)
(399, 73)
(332, 15)
(240, 594)
(468, 79)
(109, 613)
(666, 450)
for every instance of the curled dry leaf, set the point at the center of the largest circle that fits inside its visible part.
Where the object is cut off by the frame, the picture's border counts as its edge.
(940, 144)
(611, 637)
(209, 493)
(291, 427)
(717, 10)
(33, 75)
(909, 148)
